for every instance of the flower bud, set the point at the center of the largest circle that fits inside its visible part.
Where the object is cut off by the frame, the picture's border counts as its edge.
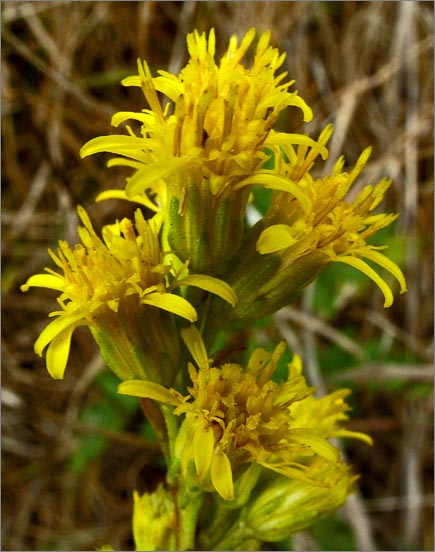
(154, 519)
(286, 506)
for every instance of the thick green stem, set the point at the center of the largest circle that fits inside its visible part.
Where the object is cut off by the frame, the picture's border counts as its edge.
(188, 503)
(172, 428)
(223, 519)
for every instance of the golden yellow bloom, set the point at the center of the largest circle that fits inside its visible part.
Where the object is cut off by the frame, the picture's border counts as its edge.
(309, 224)
(198, 156)
(116, 286)
(219, 118)
(235, 416)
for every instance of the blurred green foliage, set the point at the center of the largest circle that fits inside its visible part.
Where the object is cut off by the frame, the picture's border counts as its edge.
(109, 411)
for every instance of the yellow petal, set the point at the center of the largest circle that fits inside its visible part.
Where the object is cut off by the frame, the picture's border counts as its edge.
(130, 146)
(263, 43)
(258, 360)
(211, 284)
(142, 199)
(56, 327)
(294, 473)
(133, 80)
(297, 101)
(58, 352)
(354, 435)
(368, 271)
(274, 182)
(386, 263)
(147, 175)
(171, 303)
(169, 86)
(150, 390)
(116, 161)
(193, 340)
(203, 445)
(49, 281)
(360, 164)
(280, 138)
(211, 42)
(111, 194)
(295, 366)
(274, 239)
(269, 369)
(122, 116)
(319, 445)
(221, 475)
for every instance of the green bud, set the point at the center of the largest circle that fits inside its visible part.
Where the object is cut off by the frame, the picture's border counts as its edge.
(286, 506)
(138, 342)
(204, 228)
(154, 519)
(266, 283)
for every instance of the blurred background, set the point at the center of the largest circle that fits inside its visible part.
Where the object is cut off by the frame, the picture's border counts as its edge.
(73, 450)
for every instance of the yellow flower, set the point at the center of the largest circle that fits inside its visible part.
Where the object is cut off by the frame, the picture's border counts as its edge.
(235, 416)
(219, 118)
(324, 415)
(310, 223)
(116, 286)
(198, 156)
(154, 520)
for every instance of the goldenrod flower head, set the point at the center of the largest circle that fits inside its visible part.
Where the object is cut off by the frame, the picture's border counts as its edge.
(235, 416)
(311, 223)
(197, 157)
(218, 120)
(154, 520)
(107, 279)
(331, 225)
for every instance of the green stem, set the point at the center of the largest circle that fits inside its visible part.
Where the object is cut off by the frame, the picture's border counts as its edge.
(156, 419)
(223, 518)
(234, 537)
(189, 504)
(172, 428)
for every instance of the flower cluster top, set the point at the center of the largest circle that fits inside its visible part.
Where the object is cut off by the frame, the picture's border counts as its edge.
(217, 123)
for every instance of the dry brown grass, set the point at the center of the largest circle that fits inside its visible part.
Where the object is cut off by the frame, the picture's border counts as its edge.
(365, 66)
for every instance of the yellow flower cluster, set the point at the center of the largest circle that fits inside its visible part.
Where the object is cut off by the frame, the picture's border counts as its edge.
(198, 158)
(215, 128)
(235, 416)
(257, 449)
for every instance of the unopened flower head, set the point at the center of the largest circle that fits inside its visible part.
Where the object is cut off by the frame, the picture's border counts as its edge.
(106, 283)
(284, 506)
(199, 154)
(236, 416)
(154, 519)
(311, 223)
